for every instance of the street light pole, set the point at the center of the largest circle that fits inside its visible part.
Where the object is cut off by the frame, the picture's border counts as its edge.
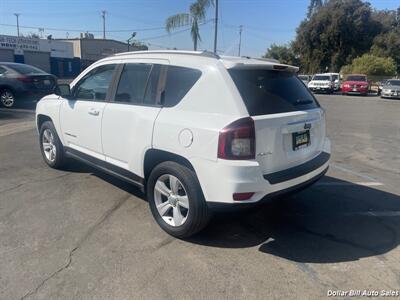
(103, 15)
(17, 15)
(216, 27)
(240, 38)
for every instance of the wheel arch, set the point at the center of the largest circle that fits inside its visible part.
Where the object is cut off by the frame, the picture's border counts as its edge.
(6, 86)
(40, 119)
(153, 157)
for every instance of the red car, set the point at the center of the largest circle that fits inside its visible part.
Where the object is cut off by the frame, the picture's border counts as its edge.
(355, 84)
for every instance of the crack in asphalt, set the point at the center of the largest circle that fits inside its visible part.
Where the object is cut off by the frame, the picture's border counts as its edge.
(34, 181)
(81, 241)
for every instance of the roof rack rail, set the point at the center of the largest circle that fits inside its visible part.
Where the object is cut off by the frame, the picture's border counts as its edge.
(204, 53)
(210, 54)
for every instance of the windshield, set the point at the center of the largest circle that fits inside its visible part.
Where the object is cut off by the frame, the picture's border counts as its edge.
(26, 69)
(393, 82)
(356, 78)
(268, 92)
(322, 77)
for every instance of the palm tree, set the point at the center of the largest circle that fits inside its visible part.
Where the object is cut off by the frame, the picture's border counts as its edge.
(196, 15)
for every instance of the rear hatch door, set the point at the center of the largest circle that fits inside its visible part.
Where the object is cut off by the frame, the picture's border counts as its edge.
(289, 123)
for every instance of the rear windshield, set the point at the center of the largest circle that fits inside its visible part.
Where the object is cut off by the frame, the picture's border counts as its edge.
(25, 69)
(321, 77)
(335, 77)
(393, 82)
(356, 78)
(268, 92)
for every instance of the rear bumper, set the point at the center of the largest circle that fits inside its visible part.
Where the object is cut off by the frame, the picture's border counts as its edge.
(229, 177)
(357, 91)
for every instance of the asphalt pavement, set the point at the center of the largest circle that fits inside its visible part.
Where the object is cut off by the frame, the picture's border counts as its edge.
(81, 234)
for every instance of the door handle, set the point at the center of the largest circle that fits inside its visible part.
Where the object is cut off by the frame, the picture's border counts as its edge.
(94, 112)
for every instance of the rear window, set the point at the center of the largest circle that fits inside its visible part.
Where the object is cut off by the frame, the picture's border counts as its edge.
(356, 78)
(26, 70)
(268, 92)
(179, 81)
(321, 77)
(393, 82)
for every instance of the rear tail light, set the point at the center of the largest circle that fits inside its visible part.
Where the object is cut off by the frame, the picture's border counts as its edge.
(242, 196)
(25, 79)
(237, 140)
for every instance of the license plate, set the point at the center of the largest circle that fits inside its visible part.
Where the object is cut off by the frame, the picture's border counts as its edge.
(46, 82)
(301, 139)
(354, 90)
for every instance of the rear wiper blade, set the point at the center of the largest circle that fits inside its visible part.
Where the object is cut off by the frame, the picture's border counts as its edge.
(303, 101)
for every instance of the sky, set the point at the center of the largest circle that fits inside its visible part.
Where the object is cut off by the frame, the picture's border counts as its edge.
(264, 21)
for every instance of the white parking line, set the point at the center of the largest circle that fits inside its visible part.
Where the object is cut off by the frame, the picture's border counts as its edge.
(369, 178)
(16, 127)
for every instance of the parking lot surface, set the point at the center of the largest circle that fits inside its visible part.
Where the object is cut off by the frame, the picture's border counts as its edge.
(80, 234)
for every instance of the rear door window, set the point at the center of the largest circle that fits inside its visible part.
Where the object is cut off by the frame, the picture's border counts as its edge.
(179, 81)
(269, 91)
(132, 83)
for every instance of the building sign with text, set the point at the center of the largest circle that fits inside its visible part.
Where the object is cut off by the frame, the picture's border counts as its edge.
(19, 43)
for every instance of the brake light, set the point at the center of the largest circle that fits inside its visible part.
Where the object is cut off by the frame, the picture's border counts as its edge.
(237, 140)
(25, 79)
(279, 67)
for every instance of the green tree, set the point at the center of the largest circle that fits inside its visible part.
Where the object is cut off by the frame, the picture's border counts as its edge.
(313, 7)
(371, 65)
(283, 53)
(334, 35)
(196, 15)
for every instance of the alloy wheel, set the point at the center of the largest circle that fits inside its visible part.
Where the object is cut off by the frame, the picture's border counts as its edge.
(7, 98)
(49, 147)
(171, 200)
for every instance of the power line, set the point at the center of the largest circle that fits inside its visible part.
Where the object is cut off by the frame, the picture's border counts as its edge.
(83, 30)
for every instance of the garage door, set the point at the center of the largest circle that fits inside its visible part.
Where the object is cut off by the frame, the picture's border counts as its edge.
(7, 55)
(38, 59)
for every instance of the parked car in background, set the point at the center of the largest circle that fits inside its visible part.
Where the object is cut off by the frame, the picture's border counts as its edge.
(322, 83)
(336, 80)
(21, 82)
(380, 85)
(355, 84)
(305, 78)
(143, 117)
(391, 89)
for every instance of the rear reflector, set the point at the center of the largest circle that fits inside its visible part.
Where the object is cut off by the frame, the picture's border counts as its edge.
(242, 196)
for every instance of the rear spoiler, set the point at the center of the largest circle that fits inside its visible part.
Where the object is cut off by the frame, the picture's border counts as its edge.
(268, 66)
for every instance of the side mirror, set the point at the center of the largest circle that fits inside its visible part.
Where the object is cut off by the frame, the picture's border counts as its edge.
(63, 90)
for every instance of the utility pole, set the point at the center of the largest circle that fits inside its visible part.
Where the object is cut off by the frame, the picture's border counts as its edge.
(103, 15)
(17, 15)
(240, 38)
(216, 27)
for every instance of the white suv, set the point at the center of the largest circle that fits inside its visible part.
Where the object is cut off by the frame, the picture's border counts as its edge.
(322, 83)
(194, 130)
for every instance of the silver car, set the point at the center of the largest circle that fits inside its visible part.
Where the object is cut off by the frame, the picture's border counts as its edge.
(391, 89)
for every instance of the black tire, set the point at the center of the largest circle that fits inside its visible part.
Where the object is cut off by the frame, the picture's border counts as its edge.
(198, 214)
(59, 160)
(7, 98)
